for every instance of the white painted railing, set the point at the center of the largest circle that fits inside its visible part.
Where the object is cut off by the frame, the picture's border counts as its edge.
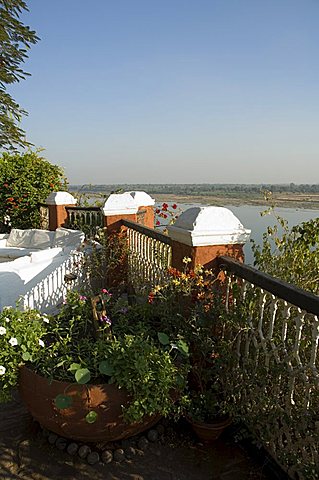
(88, 219)
(150, 255)
(49, 293)
(272, 365)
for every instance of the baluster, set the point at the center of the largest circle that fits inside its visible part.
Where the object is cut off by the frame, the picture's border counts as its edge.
(314, 345)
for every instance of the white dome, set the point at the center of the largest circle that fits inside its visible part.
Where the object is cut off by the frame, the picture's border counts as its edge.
(60, 198)
(208, 226)
(126, 203)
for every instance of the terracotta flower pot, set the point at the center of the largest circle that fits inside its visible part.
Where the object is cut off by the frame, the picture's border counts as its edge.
(106, 400)
(209, 432)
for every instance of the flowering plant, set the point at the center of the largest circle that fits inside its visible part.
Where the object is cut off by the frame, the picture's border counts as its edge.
(166, 215)
(21, 342)
(86, 350)
(191, 303)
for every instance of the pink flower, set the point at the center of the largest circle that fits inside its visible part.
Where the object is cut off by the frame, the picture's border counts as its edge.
(106, 292)
(106, 319)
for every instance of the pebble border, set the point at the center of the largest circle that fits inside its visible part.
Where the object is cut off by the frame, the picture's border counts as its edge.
(117, 452)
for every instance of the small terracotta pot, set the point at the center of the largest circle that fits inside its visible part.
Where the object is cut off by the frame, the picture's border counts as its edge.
(106, 400)
(209, 432)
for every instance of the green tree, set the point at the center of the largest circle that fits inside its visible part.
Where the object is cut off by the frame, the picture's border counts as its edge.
(290, 254)
(15, 40)
(25, 181)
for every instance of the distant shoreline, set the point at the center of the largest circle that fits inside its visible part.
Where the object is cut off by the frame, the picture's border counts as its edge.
(279, 199)
(219, 200)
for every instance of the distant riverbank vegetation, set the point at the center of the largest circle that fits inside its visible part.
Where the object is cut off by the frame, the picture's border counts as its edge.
(283, 195)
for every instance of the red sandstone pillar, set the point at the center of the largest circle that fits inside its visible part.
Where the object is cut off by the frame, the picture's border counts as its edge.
(133, 206)
(57, 203)
(205, 233)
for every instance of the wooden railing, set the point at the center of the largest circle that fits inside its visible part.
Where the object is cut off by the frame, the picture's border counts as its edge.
(150, 254)
(272, 365)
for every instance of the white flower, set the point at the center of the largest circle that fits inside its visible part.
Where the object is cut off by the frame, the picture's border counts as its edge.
(3, 331)
(7, 319)
(7, 307)
(41, 342)
(13, 341)
(46, 320)
(2, 370)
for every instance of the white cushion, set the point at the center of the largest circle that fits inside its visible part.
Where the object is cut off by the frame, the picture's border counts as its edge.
(16, 264)
(14, 252)
(42, 238)
(43, 255)
(65, 237)
(20, 238)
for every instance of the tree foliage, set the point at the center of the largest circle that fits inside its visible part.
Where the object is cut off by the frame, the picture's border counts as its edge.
(290, 254)
(15, 40)
(25, 181)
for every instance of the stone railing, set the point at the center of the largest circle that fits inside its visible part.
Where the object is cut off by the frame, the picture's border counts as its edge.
(150, 255)
(49, 292)
(88, 219)
(272, 365)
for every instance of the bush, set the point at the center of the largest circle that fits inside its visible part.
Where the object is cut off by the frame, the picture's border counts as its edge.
(290, 254)
(25, 181)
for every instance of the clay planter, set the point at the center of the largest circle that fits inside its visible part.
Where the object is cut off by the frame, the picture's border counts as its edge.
(209, 432)
(39, 393)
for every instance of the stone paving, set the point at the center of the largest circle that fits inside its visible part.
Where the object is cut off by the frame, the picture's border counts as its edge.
(25, 454)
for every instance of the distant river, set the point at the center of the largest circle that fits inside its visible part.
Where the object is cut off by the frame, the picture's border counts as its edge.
(249, 216)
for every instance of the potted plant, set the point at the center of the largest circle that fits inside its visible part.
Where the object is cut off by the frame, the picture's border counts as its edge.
(207, 413)
(84, 376)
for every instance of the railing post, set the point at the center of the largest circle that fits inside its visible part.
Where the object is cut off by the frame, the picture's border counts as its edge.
(203, 234)
(133, 206)
(57, 203)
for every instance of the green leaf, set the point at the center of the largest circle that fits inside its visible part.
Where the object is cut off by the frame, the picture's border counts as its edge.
(74, 367)
(91, 417)
(82, 375)
(182, 347)
(163, 338)
(26, 356)
(105, 368)
(63, 401)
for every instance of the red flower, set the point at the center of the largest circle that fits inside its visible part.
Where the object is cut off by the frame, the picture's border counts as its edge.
(158, 222)
(11, 199)
(151, 297)
(5, 185)
(157, 210)
(174, 206)
(165, 206)
(164, 215)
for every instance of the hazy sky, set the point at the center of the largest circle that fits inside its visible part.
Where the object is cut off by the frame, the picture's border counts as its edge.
(175, 90)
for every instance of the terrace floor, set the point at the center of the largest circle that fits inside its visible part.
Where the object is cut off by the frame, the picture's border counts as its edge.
(26, 454)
